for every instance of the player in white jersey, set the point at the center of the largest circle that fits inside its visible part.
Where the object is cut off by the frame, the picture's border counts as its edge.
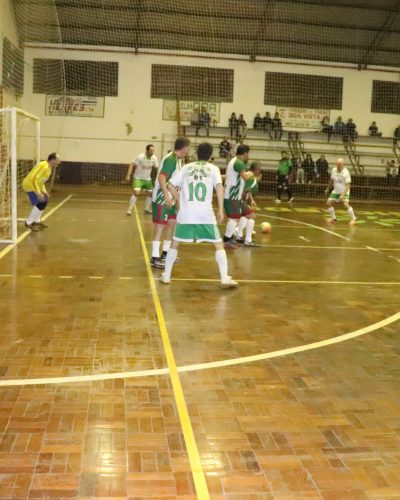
(196, 219)
(340, 181)
(164, 210)
(142, 166)
(235, 178)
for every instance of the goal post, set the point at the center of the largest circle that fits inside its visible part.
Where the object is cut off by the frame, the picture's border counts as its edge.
(19, 152)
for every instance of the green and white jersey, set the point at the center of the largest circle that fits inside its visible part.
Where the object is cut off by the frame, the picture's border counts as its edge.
(169, 164)
(197, 182)
(340, 179)
(144, 166)
(250, 186)
(234, 184)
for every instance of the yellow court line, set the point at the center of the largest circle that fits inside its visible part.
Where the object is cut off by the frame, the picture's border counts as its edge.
(21, 237)
(191, 446)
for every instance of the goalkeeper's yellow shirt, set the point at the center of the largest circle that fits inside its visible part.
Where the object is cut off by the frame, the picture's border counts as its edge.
(35, 180)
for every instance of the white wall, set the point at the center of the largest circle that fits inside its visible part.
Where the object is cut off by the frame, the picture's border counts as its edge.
(105, 139)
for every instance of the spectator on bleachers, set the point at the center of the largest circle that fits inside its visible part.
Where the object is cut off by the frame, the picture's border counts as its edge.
(225, 148)
(242, 127)
(339, 127)
(267, 124)
(326, 127)
(277, 127)
(322, 167)
(204, 121)
(373, 130)
(233, 125)
(396, 136)
(194, 117)
(391, 169)
(308, 166)
(258, 122)
(351, 131)
(299, 169)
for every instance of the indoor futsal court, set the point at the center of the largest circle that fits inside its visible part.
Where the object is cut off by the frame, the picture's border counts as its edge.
(199, 250)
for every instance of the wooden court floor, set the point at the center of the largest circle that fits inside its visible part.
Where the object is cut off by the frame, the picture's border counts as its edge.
(114, 386)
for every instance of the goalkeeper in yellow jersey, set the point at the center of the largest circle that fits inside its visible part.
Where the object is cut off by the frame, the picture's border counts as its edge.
(34, 186)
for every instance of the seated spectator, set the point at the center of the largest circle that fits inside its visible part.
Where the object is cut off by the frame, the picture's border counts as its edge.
(326, 127)
(308, 166)
(194, 117)
(351, 131)
(396, 136)
(322, 167)
(339, 127)
(233, 125)
(258, 122)
(297, 166)
(242, 126)
(373, 130)
(277, 127)
(391, 169)
(204, 121)
(267, 124)
(225, 148)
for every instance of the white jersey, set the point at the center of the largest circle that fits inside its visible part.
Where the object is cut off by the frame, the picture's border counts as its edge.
(340, 179)
(144, 166)
(234, 184)
(197, 181)
(169, 164)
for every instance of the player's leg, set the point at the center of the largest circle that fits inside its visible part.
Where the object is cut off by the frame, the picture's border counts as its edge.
(41, 207)
(185, 233)
(147, 203)
(169, 232)
(169, 262)
(288, 191)
(137, 187)
(248, 240)
(222, 262)
(233, 213)
(331, 211)
(160, 216)
(30, 222)
(240, 229)
(279, 189)
(350, 211)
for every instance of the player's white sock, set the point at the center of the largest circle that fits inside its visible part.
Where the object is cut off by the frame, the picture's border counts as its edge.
(230, 228)
(132, 201)
(33, 215)
(350, 211)
(249, 230)
(155, 252)
(331, 212)
(147, 204)
(222, 261)
(170, 261)
(166, 245)
(38, 217)
(241, 226)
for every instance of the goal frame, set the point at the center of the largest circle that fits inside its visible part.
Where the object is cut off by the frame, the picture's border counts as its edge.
(14, 113)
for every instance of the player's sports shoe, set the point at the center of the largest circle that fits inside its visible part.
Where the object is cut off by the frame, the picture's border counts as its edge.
(157, 263)
(278, 201)
(239, 240)
(129, 212)
(164, 279)
(230, 244)
(32, 227)
(148, 212)
(250, 244)
(41, 225)
(331, 220)
(229, 283)
(352, 222)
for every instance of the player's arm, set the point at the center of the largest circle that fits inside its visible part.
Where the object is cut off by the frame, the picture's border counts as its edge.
(162, 179)
(219, 189)
(246, 175)
(330, 186)
(346, 190)
(131, 169)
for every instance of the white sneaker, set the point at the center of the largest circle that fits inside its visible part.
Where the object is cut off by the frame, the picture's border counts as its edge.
(128, 212)
(352, 222)
(229, 283)
(278, 201)
(164, 279)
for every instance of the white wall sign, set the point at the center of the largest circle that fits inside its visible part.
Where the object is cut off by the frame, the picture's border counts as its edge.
(187, 108)
(61, 105)
(302, 117)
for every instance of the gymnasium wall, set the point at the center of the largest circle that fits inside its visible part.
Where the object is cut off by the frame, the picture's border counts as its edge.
(106, 139)
(7, 29)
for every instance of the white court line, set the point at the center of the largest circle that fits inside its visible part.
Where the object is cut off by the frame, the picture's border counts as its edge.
(294, 282)
(206, 366)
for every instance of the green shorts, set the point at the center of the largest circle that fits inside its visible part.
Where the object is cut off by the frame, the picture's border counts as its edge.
(162, 214)
(233, 208)
(197, 232)
(336, 197)
(142, 185)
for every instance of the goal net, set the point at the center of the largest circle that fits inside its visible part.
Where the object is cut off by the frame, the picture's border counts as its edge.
(19, 152)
